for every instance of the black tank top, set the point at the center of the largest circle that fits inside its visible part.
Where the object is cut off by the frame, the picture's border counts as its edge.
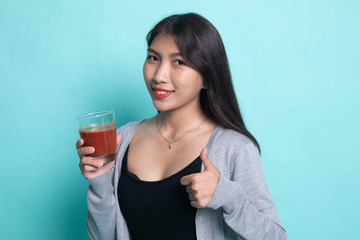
(160, 209)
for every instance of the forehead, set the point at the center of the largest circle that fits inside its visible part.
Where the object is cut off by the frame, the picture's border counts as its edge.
(164, 42)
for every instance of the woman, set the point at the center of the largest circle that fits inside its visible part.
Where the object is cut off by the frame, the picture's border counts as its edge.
(159, 187)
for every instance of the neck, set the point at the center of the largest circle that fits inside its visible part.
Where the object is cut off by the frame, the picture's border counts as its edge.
(176, 123)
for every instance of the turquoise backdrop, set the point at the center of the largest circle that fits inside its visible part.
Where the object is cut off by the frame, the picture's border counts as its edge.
(296, 70)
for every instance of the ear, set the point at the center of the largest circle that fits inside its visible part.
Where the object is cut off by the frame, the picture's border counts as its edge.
(203, 85)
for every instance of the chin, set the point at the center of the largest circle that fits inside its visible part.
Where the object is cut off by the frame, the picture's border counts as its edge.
(158, 106)
(161, 107)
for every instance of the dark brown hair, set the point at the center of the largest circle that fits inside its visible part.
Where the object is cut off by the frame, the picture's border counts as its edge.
(202, 48)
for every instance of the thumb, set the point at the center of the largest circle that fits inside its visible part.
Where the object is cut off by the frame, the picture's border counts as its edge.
(205, 159)
(118, 139)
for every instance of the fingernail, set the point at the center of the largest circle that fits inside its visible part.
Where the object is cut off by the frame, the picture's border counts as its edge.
(100, 164)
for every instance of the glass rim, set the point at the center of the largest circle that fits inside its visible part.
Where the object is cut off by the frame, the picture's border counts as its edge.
(94, 114)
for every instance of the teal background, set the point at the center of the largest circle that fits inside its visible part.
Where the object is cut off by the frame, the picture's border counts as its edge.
(295, 66)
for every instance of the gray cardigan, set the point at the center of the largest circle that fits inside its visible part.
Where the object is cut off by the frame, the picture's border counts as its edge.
(241, 207)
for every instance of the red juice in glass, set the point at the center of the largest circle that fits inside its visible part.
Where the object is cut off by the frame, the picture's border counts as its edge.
(99, 131)
(103, 139)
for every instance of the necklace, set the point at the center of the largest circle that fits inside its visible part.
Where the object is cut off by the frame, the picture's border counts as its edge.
(171, 142)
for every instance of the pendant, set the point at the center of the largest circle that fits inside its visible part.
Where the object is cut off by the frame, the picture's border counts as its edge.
(169, 146)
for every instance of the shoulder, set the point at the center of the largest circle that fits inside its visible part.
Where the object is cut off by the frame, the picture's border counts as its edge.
(229, 146)
(128, 128)
(228, 138)
(234, 153)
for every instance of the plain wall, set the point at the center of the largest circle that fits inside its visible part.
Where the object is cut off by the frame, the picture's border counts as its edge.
(295, 67)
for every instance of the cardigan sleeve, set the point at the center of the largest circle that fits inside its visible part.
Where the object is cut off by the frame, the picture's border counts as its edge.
(101, 218)
(102, 203)
(245, 198)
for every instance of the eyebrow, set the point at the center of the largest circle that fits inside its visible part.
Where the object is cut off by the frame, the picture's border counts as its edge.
(170, 55)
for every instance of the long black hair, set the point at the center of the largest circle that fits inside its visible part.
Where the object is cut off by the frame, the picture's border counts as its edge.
(201, 47)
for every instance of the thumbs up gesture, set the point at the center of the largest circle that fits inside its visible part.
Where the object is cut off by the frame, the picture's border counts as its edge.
(201, 186)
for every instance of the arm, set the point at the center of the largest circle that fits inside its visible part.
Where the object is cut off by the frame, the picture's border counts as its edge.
(101, 216)
(102, 204)
(101, 199)
(245, 198)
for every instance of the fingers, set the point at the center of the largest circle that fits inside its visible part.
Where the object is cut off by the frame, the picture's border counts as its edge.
(91, 167)
(186, 180)
(88, 168)
(84, 151)
(90, 172)
(189, 189)
(196, 196)
(118, 139)
(201, 186)
(90, 163)
(200, 204)
(198, 201)
(79, 143)
(192, 197)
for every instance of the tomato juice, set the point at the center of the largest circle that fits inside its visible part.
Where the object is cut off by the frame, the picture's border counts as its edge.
(102, 138)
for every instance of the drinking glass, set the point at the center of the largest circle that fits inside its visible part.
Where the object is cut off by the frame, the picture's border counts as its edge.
(99, 131)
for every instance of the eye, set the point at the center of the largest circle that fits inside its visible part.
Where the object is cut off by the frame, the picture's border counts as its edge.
(152, 58)
(179, 62)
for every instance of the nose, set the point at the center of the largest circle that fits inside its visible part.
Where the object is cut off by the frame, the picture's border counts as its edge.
(162, 73)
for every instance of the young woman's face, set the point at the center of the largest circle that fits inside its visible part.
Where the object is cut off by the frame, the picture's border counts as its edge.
(171, 82)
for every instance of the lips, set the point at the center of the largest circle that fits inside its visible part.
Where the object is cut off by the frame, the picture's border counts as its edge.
(161, 93)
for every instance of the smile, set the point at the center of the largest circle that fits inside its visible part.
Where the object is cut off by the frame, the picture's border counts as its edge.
(161, 93)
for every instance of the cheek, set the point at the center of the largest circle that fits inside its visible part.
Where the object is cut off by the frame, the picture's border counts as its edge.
(197, 83)
(196, 78)
(199, 80)
(202, 84)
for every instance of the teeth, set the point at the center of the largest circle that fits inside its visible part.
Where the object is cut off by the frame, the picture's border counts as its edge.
(161, 92)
